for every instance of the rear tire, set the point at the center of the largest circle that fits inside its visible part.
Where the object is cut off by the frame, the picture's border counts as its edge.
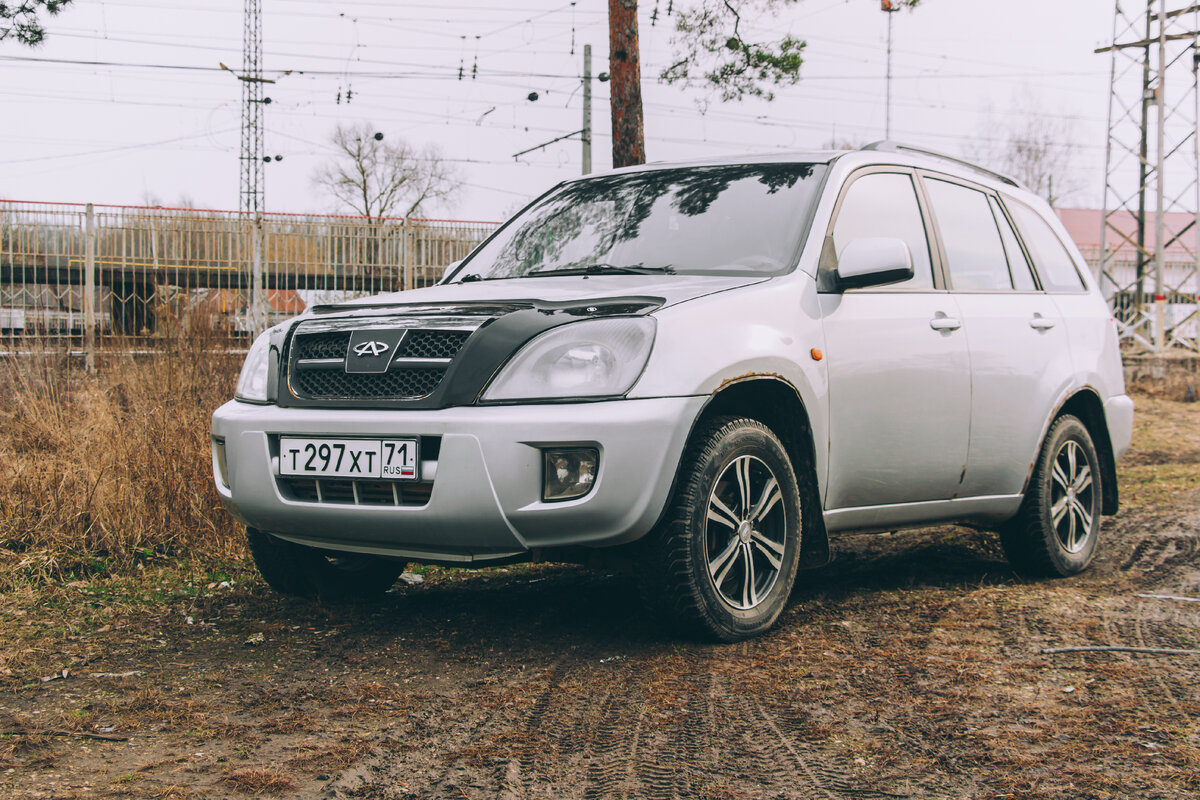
(1057, 530)
(307, 572)
(722, 562)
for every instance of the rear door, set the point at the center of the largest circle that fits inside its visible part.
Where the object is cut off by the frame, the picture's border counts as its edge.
(1088, 320)
(1020, 358)
(899, 377)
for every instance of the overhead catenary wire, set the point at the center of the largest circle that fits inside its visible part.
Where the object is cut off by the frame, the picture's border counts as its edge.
(408, 53)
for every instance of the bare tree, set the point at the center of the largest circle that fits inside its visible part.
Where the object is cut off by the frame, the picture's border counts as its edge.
(20, 19)
(378, 179)
(1034, 147)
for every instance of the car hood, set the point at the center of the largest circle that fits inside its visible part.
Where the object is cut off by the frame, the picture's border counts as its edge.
(654, 291)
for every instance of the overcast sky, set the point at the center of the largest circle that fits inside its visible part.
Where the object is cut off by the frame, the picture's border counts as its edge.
(964, 70)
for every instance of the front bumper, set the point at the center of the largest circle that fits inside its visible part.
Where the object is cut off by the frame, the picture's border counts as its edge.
(485, 500)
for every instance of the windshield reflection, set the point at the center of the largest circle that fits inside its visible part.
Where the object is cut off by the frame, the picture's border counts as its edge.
(734, 219)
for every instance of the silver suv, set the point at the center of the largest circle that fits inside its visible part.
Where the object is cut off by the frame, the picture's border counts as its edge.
(705, 370)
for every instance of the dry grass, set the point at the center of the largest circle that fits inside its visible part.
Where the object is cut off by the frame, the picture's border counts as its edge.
(260, 780)
(104, 474)
(1174, 377)
(1162, 465)
(98, 473)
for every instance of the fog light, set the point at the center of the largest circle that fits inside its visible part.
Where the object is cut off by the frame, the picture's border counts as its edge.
(568, 472)
(219, 464)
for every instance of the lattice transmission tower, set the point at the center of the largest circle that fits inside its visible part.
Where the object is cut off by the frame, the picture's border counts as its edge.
(1151, 218)
(250, 196)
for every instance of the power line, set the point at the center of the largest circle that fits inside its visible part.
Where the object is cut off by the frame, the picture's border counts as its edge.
(109, 150)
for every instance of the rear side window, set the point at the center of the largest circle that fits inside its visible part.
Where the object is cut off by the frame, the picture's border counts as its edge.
(1050, 257)
(885, 204)
(974, 253)
(1018, 264)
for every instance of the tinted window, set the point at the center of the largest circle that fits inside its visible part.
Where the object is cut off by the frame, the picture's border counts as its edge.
(1051, 259)
(1018, 264)
(885, 204)
(974, 253)
(742, 218)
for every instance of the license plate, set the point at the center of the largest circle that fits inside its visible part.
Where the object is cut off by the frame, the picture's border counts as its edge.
(388, 459)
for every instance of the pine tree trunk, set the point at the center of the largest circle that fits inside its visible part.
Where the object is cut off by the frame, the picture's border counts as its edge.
(624, 68)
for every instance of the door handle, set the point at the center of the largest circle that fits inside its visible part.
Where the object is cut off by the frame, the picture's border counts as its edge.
(1040, 323)
(944, 323)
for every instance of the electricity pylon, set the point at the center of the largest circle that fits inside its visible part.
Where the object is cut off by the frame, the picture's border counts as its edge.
(1152, 131)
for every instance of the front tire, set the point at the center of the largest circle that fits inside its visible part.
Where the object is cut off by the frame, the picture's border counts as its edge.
(723, 561)
(307, 572)
(1057, 530)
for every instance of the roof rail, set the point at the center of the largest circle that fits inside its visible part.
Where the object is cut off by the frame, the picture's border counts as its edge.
(895, 147)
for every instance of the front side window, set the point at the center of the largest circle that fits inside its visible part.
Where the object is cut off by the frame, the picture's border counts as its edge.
(724, 220)
(974, 252)
(884, 204)
(1051, 259)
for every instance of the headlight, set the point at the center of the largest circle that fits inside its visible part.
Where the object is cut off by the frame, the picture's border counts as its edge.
(252, 383)
(597, 358)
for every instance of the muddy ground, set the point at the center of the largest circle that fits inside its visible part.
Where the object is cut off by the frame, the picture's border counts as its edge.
(911, 667)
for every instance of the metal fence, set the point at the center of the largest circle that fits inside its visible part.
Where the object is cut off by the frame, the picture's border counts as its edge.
(1147, 322)
(149, 271)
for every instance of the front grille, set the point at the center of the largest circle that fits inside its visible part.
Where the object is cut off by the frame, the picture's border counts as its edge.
(317, 366)
(322, 345)
(432, 344)
(330, 384)
(356, 493)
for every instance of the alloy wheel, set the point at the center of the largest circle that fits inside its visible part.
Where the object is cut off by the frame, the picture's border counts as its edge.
(745, 532)
(1072, 497)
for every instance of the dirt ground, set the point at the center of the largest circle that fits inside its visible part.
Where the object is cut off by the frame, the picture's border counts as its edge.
(911, 667)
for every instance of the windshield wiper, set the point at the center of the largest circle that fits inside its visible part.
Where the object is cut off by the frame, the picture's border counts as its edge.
(605, 269)
(471, 277)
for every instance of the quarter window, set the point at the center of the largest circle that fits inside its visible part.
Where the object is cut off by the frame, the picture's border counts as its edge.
(1054, 264)
(974, 253)
(885, 204)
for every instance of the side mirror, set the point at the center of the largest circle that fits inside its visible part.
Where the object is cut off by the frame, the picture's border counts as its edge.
(873, 261)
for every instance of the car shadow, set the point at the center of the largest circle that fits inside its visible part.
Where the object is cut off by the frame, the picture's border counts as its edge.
(576, 607)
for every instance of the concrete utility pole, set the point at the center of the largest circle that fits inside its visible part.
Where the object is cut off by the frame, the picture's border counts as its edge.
(89, 290)
(587, 109)
(584, 133)
(629, 146)
(1147, 48)
(889, 7)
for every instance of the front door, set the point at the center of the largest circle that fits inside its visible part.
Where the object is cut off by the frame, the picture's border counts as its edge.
(899, 369)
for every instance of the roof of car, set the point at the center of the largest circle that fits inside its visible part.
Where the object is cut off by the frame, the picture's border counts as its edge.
(875, 153)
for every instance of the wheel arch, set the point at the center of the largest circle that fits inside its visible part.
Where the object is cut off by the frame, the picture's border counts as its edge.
(777, 404)
(1086, 405)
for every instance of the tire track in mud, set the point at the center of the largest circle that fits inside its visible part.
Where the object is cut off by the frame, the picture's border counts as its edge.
(751, 744)
(542, 734)
(683, 724)
(1161, 561)
(615, 749)
(680, 756)
(1160, 553)
(911, 678)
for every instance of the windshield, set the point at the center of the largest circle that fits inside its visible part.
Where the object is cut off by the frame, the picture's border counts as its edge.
(736, 219)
